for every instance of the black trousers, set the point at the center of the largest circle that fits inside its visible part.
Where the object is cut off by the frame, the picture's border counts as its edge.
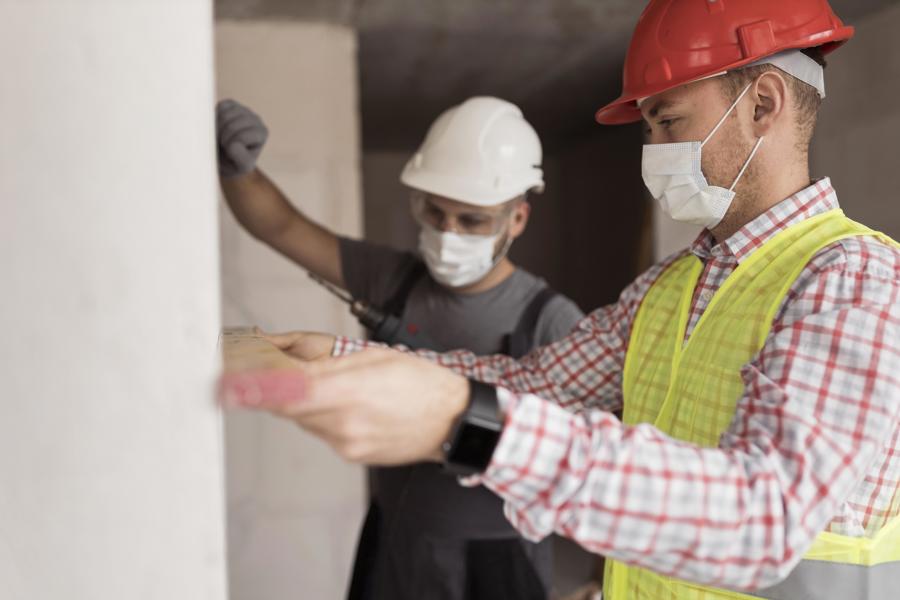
(488, 569)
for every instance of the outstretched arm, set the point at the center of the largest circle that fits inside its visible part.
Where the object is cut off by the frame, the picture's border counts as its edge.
(257, 203)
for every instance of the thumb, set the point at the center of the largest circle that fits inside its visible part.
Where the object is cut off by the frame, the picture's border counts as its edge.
(282, 341)
(262, 389)
(241, 156)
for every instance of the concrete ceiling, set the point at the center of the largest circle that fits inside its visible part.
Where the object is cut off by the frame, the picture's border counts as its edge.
(558, 59)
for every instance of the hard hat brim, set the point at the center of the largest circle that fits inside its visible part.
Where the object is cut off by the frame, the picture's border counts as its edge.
(468, 192)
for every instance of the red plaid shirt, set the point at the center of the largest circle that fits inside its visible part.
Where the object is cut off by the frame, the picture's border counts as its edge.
(814, 443)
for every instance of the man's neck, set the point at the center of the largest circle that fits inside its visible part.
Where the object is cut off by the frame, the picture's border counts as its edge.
(500, 273)
(775, 186)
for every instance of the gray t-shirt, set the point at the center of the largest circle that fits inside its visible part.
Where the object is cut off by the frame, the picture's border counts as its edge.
(477, 322)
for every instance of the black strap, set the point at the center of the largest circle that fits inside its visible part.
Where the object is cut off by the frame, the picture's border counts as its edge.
(397, 302)
(521, 341)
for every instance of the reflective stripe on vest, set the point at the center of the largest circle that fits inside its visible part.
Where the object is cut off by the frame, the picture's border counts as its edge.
(690, 390)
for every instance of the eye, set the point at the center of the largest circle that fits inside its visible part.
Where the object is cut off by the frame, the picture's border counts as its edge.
(667, 122)
(472, 220)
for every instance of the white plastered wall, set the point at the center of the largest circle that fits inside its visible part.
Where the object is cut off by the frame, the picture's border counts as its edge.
(110, 441)
(294, 508)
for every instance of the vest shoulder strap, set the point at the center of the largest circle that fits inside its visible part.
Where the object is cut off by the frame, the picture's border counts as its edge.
(521, 341)
(396, 304)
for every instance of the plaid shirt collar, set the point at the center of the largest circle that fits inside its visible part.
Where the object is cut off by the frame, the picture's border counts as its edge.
(818, 198)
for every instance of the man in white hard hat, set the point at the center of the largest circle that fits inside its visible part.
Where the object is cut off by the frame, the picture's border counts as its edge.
(425, 536)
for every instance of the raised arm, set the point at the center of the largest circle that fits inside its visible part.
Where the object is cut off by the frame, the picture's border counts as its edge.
(257, 203)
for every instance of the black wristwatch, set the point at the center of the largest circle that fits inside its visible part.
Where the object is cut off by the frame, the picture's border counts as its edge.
(475, 434)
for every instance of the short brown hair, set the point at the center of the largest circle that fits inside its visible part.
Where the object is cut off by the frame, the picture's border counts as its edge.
(805, 96)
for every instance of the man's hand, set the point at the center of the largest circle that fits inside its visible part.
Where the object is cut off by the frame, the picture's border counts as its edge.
(305, 345)
(376, 407)
(240, 137)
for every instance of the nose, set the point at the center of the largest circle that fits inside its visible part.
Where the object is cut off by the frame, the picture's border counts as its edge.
(655, 136)
(449, 224)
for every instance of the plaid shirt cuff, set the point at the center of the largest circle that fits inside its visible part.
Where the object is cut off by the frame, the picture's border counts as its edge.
(344, 346)
(533, 462)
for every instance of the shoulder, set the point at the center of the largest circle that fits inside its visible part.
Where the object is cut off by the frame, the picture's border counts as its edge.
(859, 269)
(856, 271)
(559, 316)
(864, 255)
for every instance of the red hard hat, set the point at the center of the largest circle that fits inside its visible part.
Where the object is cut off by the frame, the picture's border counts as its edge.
(681, 41)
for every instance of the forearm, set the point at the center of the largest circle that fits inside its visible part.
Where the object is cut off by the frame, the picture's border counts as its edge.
(575, 372)
(267, 214)
(258, 205)
(489, 369)
(721, 516)
(537, 373)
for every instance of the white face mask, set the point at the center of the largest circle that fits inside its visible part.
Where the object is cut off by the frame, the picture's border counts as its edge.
(672, 174)
(457, 260)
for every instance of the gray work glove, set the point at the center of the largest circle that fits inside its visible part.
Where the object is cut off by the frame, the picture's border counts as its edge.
(240, 137)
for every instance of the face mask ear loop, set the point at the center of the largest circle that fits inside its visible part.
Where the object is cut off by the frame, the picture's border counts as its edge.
(503, 251)
(725, 116)
(747, 163)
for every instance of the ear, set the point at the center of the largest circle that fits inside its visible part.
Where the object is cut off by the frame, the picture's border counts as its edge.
(770, 93)
(519, 217)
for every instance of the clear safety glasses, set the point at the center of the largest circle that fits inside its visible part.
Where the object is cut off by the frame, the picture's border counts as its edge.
(445, 215)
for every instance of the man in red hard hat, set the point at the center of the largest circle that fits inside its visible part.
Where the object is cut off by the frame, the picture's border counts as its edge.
(758, 370)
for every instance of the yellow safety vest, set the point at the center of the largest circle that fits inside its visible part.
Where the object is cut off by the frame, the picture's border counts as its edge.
(689, 391)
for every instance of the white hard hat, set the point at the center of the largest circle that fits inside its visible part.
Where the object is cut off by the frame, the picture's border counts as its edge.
(482, 152)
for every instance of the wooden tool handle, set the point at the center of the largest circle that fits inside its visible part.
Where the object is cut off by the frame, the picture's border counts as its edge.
(245, 350)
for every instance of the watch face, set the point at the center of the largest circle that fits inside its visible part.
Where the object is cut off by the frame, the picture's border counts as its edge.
(475, 446)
